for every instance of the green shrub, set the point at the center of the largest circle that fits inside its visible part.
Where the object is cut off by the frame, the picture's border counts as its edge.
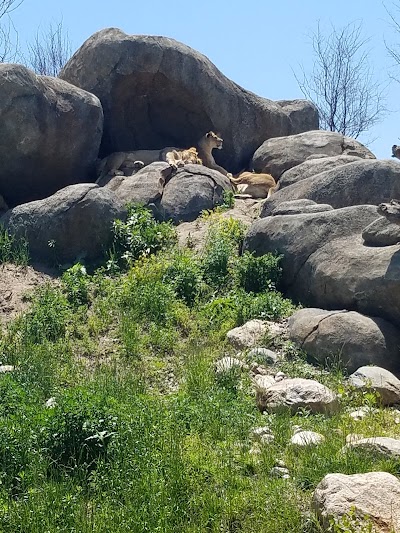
(47, 317)
(185, 276)
(139, 236)
(13, 249)
(257, 274)
(78, 430)
(76, 284)
(223, 241)
(269, 305)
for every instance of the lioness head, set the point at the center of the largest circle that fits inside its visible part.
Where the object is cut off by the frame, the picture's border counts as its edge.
(214, 140)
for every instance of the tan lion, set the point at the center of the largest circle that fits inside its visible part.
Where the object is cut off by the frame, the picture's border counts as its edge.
(120, 162)
(255, 185)
(178, 158)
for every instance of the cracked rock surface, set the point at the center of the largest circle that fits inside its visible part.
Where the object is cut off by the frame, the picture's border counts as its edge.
(347, 337)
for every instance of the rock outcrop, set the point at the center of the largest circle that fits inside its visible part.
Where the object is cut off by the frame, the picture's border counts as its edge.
(73, 224)
(157, 92)
(379, 380)
(49, 136)
(277, 155)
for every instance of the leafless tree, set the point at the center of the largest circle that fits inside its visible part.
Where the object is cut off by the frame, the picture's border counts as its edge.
(394, 49)
(8, 44)
(341, 83)
(50, 50)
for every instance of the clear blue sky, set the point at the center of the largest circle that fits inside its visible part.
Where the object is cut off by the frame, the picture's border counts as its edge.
(256, 43)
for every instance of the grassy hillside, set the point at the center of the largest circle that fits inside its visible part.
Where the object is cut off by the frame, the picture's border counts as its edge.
(114, 419)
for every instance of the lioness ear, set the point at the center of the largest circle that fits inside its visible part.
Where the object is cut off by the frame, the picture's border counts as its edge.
(209, 134)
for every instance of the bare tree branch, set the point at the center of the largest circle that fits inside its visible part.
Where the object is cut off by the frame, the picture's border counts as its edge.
(8, 33)
(50, 50)
(341, 83)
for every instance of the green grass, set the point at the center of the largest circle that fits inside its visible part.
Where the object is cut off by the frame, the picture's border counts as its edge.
(144, 436)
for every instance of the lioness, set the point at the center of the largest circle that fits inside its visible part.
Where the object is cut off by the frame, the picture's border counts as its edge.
(178, 158)
(255, 185)
(119, 160)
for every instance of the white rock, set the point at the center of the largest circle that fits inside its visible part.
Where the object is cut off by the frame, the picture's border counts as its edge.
(374, 494)
(262, 382)
(279, 471)
(353, 437)
(248, 335)
(361, 413)
(6, 368)
(51, 402)
(267, 356)
(383, 445)
(380, 380)
(307, 438)
(279, 376)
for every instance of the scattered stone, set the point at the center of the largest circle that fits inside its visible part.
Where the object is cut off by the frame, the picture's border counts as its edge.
(379, 380)
(307, 438)
(383, 445)
(295, 394)
(247, 335)
(51, 402)
(263, 382)
(262, 434)
(264, 355)
(4, 369)
(361, 413)
(259, 369)
(373, 496)
(281, 472)
(279, 376)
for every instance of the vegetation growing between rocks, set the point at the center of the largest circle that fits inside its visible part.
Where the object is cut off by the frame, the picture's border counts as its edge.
(141, 434)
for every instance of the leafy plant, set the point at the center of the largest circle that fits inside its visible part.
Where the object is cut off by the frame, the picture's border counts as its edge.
(76, 283)
(185, 276)
(139, 236)
(13, 249)
(257, 274)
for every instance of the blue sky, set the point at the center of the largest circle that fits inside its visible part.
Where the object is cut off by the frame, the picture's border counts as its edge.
(257, 43)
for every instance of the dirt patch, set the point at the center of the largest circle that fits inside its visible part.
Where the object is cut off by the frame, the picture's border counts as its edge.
(193, 233)
(15, 284)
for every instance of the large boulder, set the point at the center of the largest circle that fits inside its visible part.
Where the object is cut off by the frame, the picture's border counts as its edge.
(361, 182)
(371, 499)
(346, 337)
(49, 136)
(177, 196)
(276, 155)
(381, 232)
(296, 394)
(157, 92)
(312, 167)
(75, 223)
(379, 445)
(325, 263)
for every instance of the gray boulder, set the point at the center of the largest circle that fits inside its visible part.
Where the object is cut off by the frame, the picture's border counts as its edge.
(192, 189)
(325, 263)
(371, 498)
(362, 182)
(75, 223)
(296, 394)
(296, 207)
(380, 380)
(312, 167)
(277, 155)
(381, 232)
(49, 137)
(157, 92)
(346, 337)
(145, 187)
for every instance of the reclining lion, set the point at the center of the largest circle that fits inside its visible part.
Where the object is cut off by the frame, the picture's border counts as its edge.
(121, 162)
(255, 185)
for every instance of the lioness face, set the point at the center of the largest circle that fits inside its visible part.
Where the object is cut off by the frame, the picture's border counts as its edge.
(215, 141)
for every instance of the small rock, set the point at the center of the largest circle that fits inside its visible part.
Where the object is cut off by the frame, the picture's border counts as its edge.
(379, 380)
(383, 445)
(264, 355)
(51, 402)
(281, 472)
(279, 376)
(247, 335)
(307, 438)
(6, 368)
(259, 369)
(362, 412)
(262, 382)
